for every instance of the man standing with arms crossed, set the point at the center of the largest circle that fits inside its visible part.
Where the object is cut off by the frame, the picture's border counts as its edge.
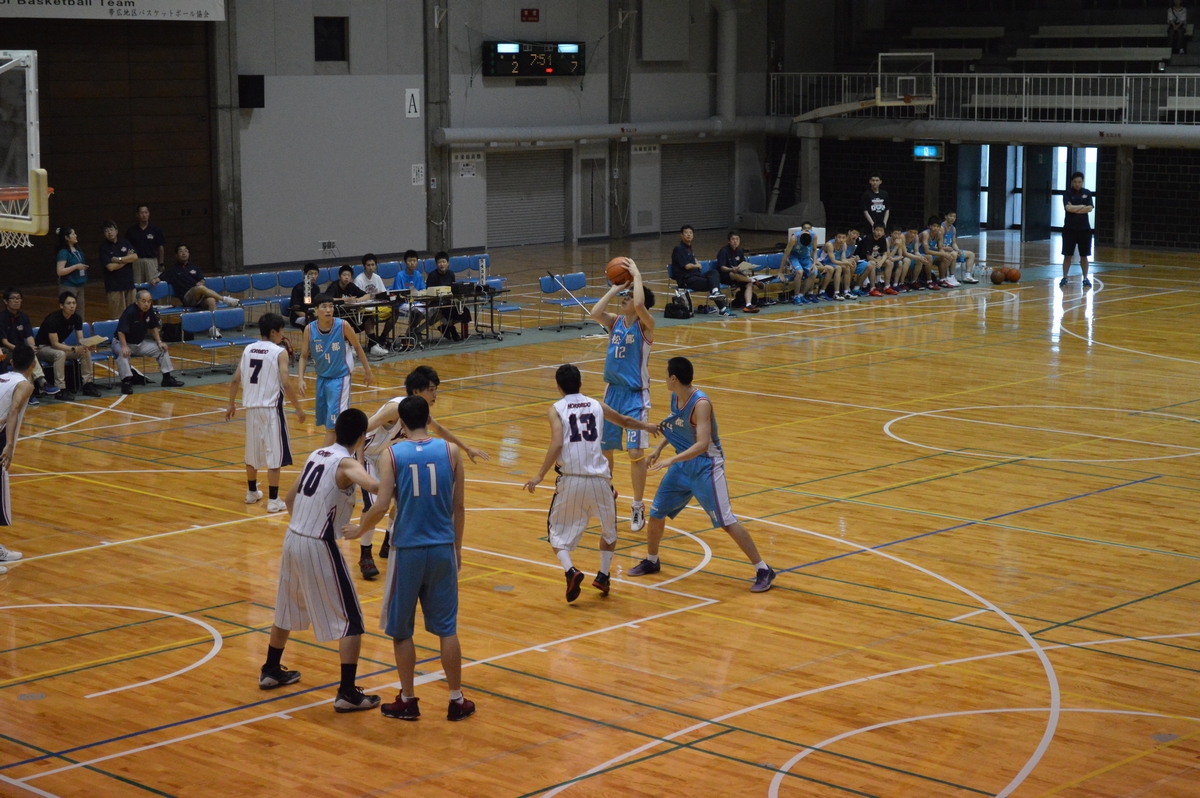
(1077, 229)
(149, 244)
(630, 336)
(425, 476)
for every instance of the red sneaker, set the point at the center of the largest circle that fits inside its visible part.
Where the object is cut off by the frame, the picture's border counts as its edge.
(890, 291)
(875, 292)
(401, 709)
(460, 710)
(933, 286)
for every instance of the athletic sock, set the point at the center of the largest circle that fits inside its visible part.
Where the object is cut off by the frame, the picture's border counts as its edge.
(272, 492)
(274, 655)
(252, 484)
(761, 565)
(406, 698)
(605, 561)
(652, 557)
(364, 552)
(456, 696)
(564, 557)
(638, 505)
(348, 673)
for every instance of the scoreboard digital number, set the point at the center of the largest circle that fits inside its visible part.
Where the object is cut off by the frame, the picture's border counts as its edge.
(532, 59)
(929, 151)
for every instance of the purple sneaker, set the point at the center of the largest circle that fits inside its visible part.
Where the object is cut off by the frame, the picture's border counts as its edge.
(644, 567)
(762, 582)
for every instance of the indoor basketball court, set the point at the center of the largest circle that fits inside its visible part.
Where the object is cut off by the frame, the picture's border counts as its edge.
(979, 503)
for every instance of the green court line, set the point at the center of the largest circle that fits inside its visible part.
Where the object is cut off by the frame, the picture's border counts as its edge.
(1118, 606)
(267, 630)
(88, 767)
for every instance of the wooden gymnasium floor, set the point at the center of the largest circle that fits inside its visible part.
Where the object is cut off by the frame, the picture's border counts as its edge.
(982, 504)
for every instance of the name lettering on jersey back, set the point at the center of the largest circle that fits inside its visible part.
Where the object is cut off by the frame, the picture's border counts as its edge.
(324, 453)
(258, 351)
(575, 405)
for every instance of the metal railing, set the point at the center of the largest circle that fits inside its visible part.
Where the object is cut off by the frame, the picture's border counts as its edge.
(1140, 99)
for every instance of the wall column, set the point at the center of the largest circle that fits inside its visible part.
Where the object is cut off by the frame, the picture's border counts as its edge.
(808, 174)
(933, 196)
(224, 117)
(437, 115)
(621, 24)
(1123, 198)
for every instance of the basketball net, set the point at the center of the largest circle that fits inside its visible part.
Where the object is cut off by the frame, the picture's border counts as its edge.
(14, 206)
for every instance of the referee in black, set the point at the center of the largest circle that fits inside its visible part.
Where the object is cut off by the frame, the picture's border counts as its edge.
(1077, 230)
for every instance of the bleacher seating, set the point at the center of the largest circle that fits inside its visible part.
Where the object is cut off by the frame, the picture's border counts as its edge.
(1104, 32)
(1092, 54)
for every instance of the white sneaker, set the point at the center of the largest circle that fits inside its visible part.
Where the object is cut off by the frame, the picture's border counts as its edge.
(231, 301)
(969, 278)
(7, 555)
(253, 496)
(953, 281)
(637, 518)
(214, 333)
(715, 292)
(275, 505)
(378, 351)
(3, 570)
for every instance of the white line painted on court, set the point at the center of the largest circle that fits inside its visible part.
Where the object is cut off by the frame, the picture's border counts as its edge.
(970, 615)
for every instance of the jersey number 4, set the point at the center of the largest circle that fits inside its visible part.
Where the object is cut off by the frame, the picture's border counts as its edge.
(416, 479)
(589, 433)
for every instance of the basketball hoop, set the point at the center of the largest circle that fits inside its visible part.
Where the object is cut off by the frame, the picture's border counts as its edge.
(14, 202)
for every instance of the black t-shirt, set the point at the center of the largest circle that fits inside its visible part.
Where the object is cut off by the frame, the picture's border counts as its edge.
(15, 329)
(681, 255)
(136, 324)
(336, 291)
(298, 307)
(437, 278)
(1077, 221)
(146, 242)
(729, 258)
(876, 204)
(56, 323)
(182, 277)
(871, 248)
(122, 278)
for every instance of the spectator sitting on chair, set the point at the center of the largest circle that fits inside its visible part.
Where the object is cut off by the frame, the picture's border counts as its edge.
(412, 279)
(55, 329)
(687, 273)
(734, 271)
(138, 320)
(1177, 28)
(70, 265)
(453, 315)
(15, 329)
(343, 288)
(372, 285)
(187, 282)
(304, 295)
(117, 257)
(150, 244)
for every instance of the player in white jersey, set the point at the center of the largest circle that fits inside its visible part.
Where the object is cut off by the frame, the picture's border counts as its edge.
(384, 430)
(626, 370)
(264, 379)
(314, 583)
(583, 489)
(15, 390)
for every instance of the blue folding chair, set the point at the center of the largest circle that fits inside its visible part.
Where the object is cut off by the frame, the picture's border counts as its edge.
(234, 319)
(290, 279)
(563, 287)
(108, 331)
(215, 283)
(266, 285)
(198, 323)
(238, 285)
(505, 307)
(427, 265)
(389, 270)
(358, 270)
(324, 275)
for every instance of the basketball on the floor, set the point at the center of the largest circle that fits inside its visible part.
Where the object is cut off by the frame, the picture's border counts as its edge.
(617, 271)
(1012, 275)
(997, 276)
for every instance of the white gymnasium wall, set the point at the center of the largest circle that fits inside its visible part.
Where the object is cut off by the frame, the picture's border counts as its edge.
(331, 154)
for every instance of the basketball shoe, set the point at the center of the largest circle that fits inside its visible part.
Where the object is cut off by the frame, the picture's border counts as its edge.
(367, 566)
(637, 518)
(356, 701)
(763, 580)
(401, 709)
(276, 505)
(253, 496)
(574, 580)
(460, 710)
(645, 567)
(279, 677)
(601, 583)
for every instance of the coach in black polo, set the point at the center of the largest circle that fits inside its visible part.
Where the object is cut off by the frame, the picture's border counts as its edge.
(1078, 202)
(150, 245)
(139, 320)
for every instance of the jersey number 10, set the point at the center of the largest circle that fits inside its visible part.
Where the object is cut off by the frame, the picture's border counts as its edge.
(589, 432)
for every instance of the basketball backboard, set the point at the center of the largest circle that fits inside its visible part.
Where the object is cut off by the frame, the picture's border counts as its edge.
(24, 191)
(906, 79)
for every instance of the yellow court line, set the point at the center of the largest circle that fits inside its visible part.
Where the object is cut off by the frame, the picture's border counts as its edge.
(1116, 765)
(122, 656)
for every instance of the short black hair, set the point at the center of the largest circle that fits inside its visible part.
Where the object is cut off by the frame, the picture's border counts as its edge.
(442, 255)
(22, 357)
(410, 253)
(321, 299)
(182, 246)
(935, 219)
(269, 323)
(874, 175)
(686, 227)
(805, 239)
(107, 224)
(10, 291)
(350, 426)
(647, 296)
(62, 298)
(1076, 174)
(346, 268)
(369, 256)
(568, 378)
(681, 369)
(143, 205)
(311, 267)
(729, 236)
(878, 226)
(414, 412)
(422, 378)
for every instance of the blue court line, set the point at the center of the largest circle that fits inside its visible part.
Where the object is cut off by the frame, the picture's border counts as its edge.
(968, 523)
(198, 718)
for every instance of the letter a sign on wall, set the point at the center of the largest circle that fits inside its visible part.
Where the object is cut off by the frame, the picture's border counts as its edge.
(412, 103)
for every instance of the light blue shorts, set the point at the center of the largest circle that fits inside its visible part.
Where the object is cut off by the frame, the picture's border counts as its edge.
(702, 478)
(632, 402)
(333, 396)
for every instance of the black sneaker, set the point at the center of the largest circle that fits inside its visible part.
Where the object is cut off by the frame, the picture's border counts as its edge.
(1062, 283)
(169, 380)
(356, 701)
(368, 568)
(644, 567)
(601, 583)
(90, 389)
(127, 387)
(460, 710)
(574, 580)
(384, 548)
(763, 581)
(279, 677)
(65, 396)
(401, 709)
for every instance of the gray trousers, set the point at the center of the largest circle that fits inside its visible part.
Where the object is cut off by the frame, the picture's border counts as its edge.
(147, 348)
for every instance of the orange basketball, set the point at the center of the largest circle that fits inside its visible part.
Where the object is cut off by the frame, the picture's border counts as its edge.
(617, 272)
(997, 277)
(1012, 275)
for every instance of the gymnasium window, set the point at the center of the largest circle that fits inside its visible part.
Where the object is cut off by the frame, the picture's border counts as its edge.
(1058, 181)
(984, 159)
(331, 39)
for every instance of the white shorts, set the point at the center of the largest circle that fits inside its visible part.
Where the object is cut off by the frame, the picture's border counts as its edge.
(315, 586)
(576, 501)
(267, 444)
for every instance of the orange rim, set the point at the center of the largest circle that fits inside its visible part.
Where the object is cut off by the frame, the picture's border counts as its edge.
(17, 193)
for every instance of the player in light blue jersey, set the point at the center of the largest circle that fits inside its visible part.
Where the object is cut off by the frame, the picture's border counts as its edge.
(427, 479)
(950, 241)
(330, 342)
(626, 370)
(697, 469)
